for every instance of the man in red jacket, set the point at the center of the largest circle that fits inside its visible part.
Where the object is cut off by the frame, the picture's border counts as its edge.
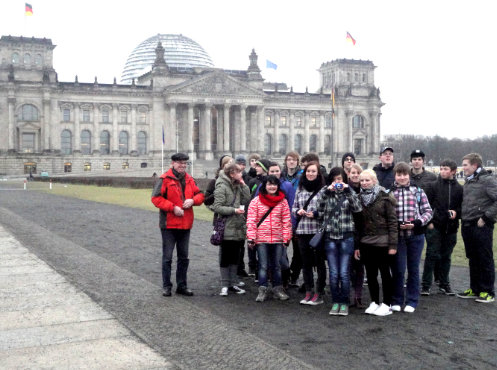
(174, 194)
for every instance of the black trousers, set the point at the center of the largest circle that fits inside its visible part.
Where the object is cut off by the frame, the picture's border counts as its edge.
(377, 259)
(478, 245)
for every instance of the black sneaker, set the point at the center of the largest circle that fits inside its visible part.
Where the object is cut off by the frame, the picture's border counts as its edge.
(468, 294)
(425, 291)
(447, 290)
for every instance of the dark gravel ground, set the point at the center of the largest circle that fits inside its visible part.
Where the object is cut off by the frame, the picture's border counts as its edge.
(113, 254)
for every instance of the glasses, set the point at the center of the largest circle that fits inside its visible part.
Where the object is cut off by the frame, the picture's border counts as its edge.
(348, 159)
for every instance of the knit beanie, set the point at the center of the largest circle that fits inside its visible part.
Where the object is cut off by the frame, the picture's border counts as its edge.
(240, 159)
(351, 155)
(264, 163)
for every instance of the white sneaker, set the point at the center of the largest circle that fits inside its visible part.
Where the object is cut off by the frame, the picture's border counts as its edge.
(372, 307)
(383, 310)
(240, 283)
(224, 291)
(236, 289)
(409, 309)
(396, 308)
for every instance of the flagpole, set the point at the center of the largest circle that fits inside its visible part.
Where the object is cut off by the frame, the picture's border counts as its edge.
(162, 150)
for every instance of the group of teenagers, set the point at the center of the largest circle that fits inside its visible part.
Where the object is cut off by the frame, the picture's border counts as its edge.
(373, 221)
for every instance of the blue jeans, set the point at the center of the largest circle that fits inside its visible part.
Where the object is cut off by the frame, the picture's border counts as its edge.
(408, 254)
(338, 254)
(269, 256)
(170, 239)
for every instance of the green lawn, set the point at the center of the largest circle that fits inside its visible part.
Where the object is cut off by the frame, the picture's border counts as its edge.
(140, 198)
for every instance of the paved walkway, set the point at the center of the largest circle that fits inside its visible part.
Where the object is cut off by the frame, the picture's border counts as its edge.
(46, 323)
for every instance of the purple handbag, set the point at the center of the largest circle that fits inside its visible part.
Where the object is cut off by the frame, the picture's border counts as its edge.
(217, 235)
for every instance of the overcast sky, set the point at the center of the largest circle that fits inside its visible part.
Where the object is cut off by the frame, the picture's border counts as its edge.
(435, 59)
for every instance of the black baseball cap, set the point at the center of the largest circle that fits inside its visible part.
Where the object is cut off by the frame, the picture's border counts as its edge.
(416, 153)
(179, 157)
(386, 148)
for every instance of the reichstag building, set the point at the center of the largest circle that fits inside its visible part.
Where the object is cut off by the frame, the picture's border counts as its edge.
(171, 90)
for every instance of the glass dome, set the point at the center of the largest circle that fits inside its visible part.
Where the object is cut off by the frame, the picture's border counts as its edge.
(179, 51)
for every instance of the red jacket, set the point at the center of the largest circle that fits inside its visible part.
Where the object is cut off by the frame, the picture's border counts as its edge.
(276, 227)
(168, 193)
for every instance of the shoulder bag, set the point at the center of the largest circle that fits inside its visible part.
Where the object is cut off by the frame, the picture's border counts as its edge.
(217, 235)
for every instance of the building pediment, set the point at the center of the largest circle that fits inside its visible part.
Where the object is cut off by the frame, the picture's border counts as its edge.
(29, 125)
(215, 83)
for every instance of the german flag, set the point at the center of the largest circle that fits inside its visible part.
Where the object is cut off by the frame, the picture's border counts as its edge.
(349, 38)
(28, 10)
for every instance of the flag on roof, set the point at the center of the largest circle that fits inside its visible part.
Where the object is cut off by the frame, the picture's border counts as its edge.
(349, 38)
(28, 9)
(270, 64)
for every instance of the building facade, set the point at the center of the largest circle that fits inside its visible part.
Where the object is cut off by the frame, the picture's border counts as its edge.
(54, 126)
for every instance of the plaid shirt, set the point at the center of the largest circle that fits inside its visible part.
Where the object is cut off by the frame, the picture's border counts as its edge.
(336, 209)
(412, 204)
(306, 226)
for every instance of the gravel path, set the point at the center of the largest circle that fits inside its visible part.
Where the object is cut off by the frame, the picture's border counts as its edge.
(113, 254)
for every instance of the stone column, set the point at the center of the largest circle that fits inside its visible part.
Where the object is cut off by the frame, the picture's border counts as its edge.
(243, 128)
(276, 132)
(115, 131)
(133, 130)
(226, 129)
(207, 126)
(349, 147)
(171, 133)
(291, 138)
(12, 125)
(77, 130)
(306, 132)
(321, 133)
(189, 130)
(96, 140)
(46, 126)
(260, 129)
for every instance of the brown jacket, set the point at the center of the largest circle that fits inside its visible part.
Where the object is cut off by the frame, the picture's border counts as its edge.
(379, 226)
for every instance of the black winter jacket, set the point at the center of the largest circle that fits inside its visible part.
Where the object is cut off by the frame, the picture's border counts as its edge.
(385, 175)
(444, 195)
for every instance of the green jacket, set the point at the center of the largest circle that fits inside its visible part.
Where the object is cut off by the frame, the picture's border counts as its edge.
(480, 198)
(224, 193)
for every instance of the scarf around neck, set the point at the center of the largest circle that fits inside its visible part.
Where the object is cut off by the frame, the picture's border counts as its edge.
(311, 186)
(369, 195)
(271, 200)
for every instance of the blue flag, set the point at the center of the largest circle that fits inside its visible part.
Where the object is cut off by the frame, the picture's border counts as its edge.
(270, 64)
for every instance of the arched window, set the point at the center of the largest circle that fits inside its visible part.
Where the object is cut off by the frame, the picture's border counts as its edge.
(283, 144)
(358, 121)
(29, 113)
(327, 144)
(66, 142)
(15, 58)
(104, 142)
(38, 59)
(141, 142)
(105, 115)
(85, 142)
(298, 143)
(313, 143)
(268, 144)
(123, 142)
(27, 59)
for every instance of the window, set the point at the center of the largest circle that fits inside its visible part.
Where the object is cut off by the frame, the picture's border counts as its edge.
(142, 116)
(107, 166)
(125, 166)
(66, 142)
(123, 142)
(29, 113)
(348, 77)
(66, 115)
(364, 78)
(313, 143)
(283, 121)
(358, 121)
(356, 77)
(283, 144)
(105, 115)
(314, 121)
(143, 165)
(85, 113)
(87, 166)
(15, 58)
(124, 116)
(358, 146)
(298, 143)
(298, 121)
(268, 144)
(104, 142)
(38, 61)
(28, 142)
(327, 121)
(27, 59)
(268, 121)
(85, 142)
(327, 144)
(141, 142)
(68, 167)
(29, 167)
